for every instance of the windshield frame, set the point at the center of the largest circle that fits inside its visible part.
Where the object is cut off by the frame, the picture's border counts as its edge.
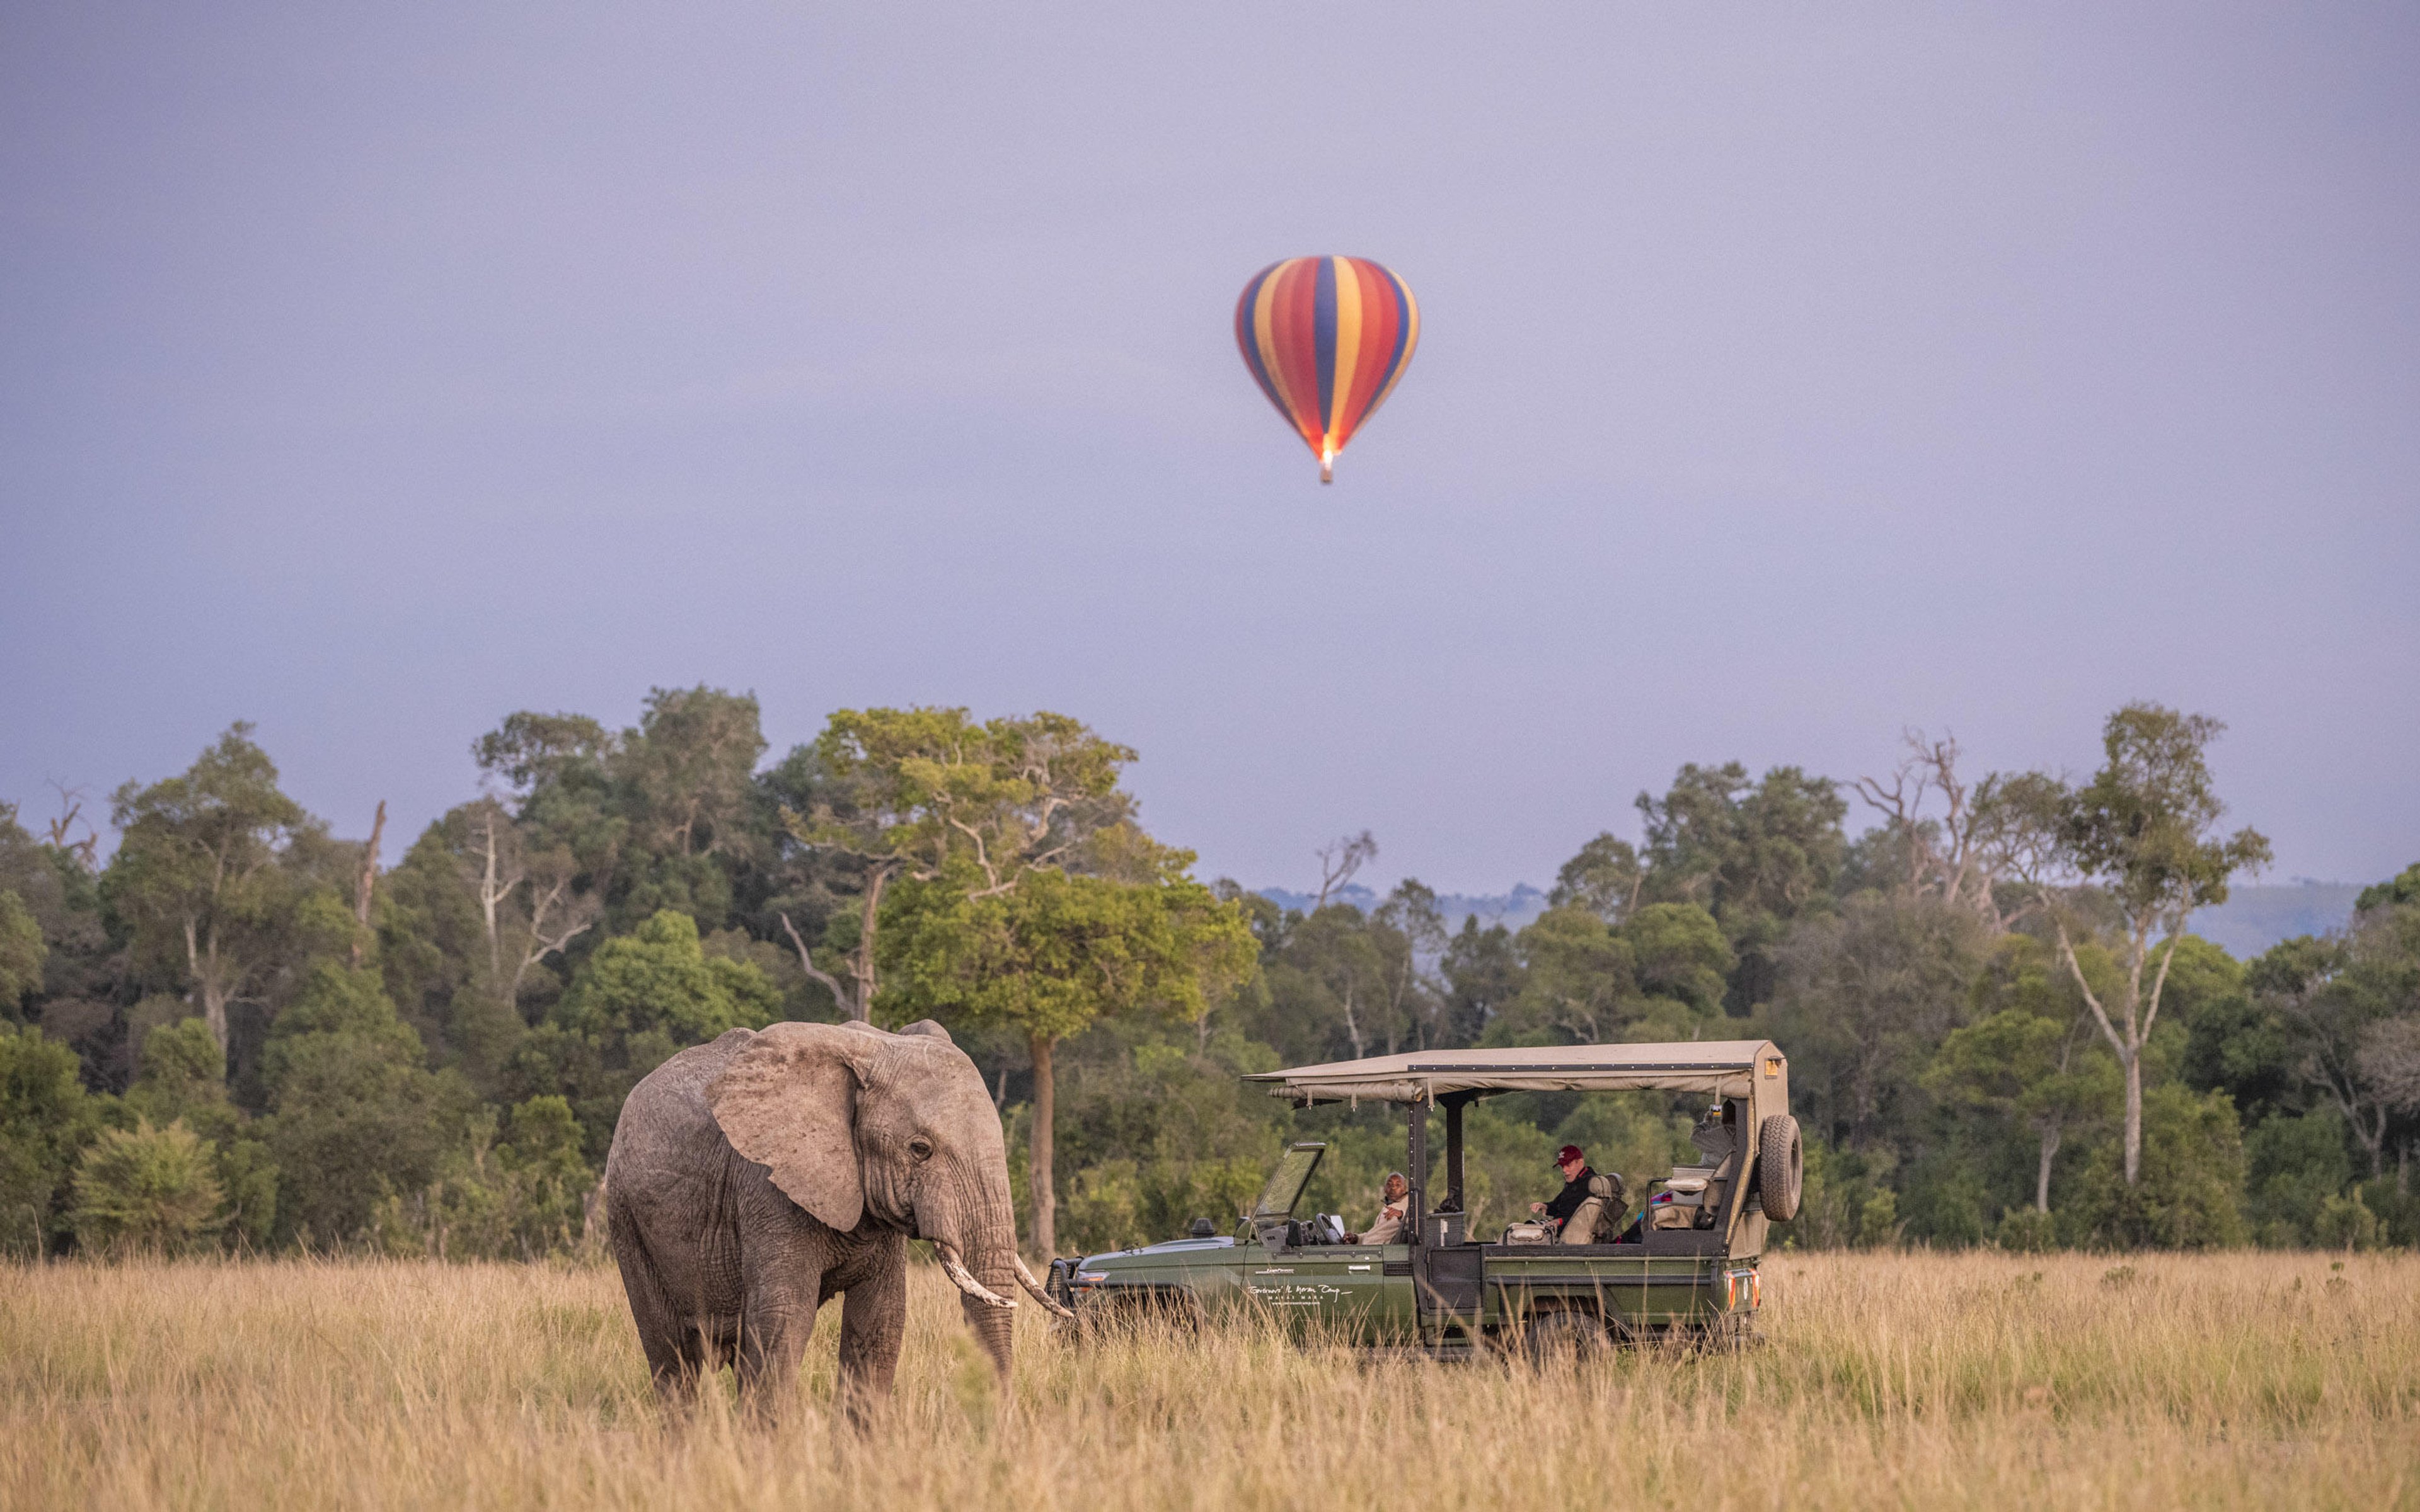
(1274, 1187)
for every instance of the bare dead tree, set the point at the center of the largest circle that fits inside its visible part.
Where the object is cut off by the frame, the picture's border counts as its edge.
(855, 997)
(1961, 855)
(2389, 1060)
(366, 881)
(1339, 859)
(62, 829)
(500, 873)
(557, 912)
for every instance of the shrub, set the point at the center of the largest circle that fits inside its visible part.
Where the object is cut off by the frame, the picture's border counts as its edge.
(1849, 1203)
(2026, 1231)
(2193, 1167)
(146, 1190)
(2346, 1222)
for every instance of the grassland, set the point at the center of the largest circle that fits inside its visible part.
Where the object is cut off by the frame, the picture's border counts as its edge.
(1886, 1381)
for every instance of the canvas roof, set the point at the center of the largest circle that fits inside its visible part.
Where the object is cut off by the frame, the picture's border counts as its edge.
(1720, 1067)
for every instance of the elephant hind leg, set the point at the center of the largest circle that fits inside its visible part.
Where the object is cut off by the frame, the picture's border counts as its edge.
(679, 1352)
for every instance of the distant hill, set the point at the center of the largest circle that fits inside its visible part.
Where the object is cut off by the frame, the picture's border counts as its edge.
(2251, 920)
(1511, 909)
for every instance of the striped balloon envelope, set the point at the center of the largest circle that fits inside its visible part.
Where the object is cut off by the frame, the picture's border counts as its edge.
(1327, 338)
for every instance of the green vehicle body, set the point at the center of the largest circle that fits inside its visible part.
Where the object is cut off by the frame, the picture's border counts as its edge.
(1445, 1291)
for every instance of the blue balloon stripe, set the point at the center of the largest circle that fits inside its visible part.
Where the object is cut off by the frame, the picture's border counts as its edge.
(1323, 327)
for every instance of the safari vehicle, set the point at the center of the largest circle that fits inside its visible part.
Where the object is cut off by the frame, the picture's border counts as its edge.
(1686, 1267)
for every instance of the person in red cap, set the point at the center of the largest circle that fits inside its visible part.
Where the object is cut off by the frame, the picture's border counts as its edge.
(1576, 1175)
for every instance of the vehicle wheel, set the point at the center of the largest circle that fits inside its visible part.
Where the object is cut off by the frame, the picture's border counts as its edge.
(1726, 1336)
(1562, 1333)
(1780, 1167)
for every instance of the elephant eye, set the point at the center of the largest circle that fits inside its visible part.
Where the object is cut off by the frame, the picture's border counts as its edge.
(920, 1148)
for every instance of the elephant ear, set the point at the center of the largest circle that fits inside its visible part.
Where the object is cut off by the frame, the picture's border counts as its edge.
(788, 1103)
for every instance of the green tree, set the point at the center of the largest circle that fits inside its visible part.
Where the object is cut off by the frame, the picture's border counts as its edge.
(22, 953)
(2403, 887)
(2029, 1069)
(910, 791)
(2348, 1006)
(355, 1115)
(2236, 1038)
(1405, 929)
(656, 991)
(685, 779)
(520, 1197)
(1757, 856)
(2293, 1166)
(690, 770)
(2144, 832)
(1603, 879)
(1157, 1129)
(1653, 976)
(1340, 974)
(444, 968)
(569, 847)
(46, 1117)
(67, 953)
(204, 881)
(641, 998)
(1483, 979)
(1058, 951)
(1679, 953)
(1864, 999)
(146, 1190)
(1579, 985)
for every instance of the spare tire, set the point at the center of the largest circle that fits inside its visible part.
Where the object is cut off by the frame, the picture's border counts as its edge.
(1780, 1167)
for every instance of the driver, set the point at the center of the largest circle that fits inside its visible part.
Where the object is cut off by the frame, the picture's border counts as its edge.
(1576, 1175)
(1388, 1230)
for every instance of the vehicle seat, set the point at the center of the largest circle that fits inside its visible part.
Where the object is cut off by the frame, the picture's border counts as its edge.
(1600, 1210)
(1678, 1204)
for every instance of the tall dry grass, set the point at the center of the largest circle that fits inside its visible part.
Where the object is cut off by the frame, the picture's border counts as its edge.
(1886, 1381)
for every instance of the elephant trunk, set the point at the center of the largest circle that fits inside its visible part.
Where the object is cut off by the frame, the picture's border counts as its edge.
(995, 1328)
(976, 1235)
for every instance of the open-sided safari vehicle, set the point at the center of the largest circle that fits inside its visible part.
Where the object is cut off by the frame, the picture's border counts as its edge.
(1683, 1263)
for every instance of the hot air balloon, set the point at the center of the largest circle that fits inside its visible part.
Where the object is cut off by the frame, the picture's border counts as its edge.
(1327, 338)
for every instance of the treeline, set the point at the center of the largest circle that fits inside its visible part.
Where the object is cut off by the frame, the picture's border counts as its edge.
(243, 1032)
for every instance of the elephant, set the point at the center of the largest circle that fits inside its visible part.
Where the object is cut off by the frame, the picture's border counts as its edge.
(754, 1178)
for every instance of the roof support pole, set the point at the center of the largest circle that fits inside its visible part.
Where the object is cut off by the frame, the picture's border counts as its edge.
(1416, 1169)
(1453, 1107)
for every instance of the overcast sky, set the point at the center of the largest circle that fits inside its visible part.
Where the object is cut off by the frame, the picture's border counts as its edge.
(1787, 375)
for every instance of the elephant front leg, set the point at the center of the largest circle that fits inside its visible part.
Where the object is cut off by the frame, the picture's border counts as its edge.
(775, 1322)
(872, 1320)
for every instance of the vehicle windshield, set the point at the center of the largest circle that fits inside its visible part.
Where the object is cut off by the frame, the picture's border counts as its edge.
(1286, 1182)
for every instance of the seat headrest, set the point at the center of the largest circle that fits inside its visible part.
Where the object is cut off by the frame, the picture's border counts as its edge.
(1686, 1183)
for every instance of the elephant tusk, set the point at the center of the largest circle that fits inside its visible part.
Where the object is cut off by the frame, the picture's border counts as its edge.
(965, 1281)
(1035, 1286)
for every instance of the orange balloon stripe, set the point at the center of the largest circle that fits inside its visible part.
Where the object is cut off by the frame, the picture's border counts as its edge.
(1341, 414)
(1378, 339)
(1298, 352)
(1408, 337)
